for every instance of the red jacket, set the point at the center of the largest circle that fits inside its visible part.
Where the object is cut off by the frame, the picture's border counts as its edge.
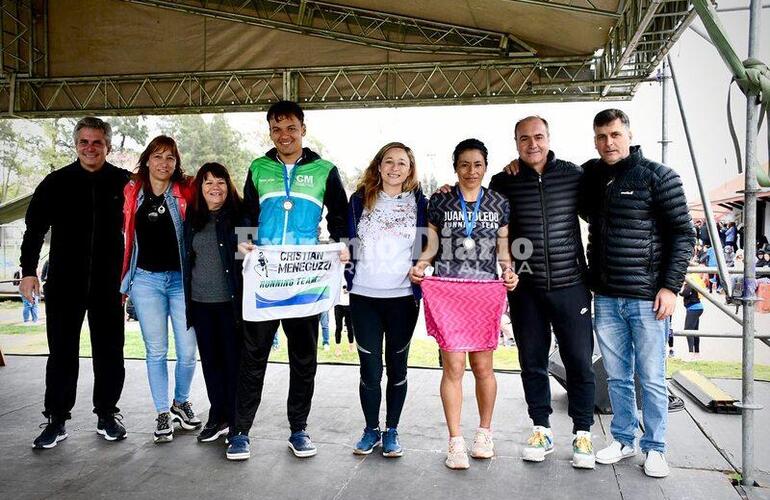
(184, 192)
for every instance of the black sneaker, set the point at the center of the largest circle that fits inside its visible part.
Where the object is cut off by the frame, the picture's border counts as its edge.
(53, 432)
(211, 432)
(164, 431)
(184, 414)
(111, 427)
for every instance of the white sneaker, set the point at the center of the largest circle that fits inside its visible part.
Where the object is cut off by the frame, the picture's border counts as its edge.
(583, 451)
(326, 347)
(614, 453)
(655, 464)
(483, 447)
(457, 455)
(539, 444)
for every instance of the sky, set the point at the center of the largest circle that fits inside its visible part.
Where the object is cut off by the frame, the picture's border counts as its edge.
(352, 137)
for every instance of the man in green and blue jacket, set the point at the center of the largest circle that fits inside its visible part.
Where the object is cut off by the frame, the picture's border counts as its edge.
(285, 193)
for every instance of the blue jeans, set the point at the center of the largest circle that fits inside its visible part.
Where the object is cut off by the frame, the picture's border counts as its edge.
(30, 309)
(156, 297)
(325, 327)
(632, 340)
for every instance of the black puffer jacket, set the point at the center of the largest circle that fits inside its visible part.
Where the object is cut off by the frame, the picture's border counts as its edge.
(544, 210)
(640, 234)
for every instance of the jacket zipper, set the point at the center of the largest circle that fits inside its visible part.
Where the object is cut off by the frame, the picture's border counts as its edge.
(605, 205)
(545, 234)
(286, 212)
(93, 233)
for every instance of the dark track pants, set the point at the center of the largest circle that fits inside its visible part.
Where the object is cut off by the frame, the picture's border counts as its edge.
(65, 312)
(393, 320)
(692, 322)
(302, 339)
(219, 345)
(342, 313)
(568, 310)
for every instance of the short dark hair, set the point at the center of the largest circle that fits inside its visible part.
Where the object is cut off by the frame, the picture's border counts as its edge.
(284, 109)
(467, 145)
(526, 119)
(602, 118)
(94, 123)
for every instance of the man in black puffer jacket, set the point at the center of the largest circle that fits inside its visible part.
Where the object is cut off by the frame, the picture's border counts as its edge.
(640, 240)
(543, 197)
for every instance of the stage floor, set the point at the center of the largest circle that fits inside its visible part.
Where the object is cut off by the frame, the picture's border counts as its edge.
(702, 447)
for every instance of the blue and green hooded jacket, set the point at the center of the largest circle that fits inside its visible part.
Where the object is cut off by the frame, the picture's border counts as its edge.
(315, 183)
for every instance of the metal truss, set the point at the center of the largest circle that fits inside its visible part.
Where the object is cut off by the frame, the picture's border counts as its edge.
(18, 47)
(413, 84)
(645, 32)
(355, 25)
(582, 6)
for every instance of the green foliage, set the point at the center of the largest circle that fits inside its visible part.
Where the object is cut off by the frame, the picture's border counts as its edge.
(128, 127)
(19, 169)
(201, 141)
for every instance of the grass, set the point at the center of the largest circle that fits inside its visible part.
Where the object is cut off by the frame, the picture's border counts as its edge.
(423, 353)
(21, 329)
(9, 304)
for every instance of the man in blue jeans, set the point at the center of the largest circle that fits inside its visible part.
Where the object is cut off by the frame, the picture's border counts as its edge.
(640, 240)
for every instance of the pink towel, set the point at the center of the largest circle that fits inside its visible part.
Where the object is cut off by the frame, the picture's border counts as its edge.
(463, 315)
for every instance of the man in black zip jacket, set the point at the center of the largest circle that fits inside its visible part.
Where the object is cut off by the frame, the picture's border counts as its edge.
(544, 198)
(640, 240)
(82, 205)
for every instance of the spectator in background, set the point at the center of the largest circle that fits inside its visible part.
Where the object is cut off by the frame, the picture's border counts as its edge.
(692, 319)
(731, 235)
(763, 259)
(29, 312)
(342, 313)
(709, 258)
(324, 320)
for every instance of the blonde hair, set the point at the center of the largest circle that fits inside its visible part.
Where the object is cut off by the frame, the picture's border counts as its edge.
(370, 182)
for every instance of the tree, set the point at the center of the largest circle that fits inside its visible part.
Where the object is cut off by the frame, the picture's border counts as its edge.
(20, 170)
(56, 146)
(429, 184)
(202, 141)
(128, 127)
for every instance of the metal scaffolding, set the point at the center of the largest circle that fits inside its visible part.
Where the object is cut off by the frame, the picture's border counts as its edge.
(581, 6)
(508, 72)
(409, 84)
(354, 25)
(645, 32)
(19, 51)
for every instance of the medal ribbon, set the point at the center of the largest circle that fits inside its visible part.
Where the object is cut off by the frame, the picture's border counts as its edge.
(470, 224)
(288, 181)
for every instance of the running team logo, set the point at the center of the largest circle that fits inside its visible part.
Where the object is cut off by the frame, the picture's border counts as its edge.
(291, 281)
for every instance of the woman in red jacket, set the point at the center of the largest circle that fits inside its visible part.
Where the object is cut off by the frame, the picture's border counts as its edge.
(156, 202)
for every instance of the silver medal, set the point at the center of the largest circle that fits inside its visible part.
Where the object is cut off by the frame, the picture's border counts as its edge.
(469, 244)
(288, 204)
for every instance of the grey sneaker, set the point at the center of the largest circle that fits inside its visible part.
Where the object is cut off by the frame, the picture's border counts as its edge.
(184, 414)
(164, 430)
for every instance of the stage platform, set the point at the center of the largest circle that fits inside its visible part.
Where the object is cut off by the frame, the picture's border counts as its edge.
(704, 448)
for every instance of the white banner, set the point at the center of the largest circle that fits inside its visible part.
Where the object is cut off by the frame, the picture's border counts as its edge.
(291, 281)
